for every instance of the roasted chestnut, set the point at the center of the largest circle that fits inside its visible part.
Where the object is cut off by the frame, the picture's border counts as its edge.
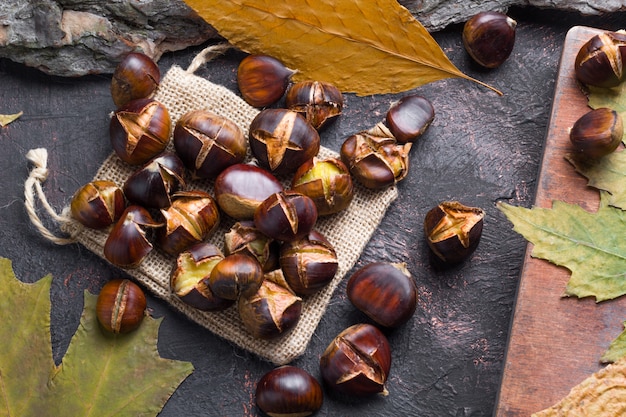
(286, 215)
(408, 118)
(121, 306)
(489, 38)
(98, 204)
(357, 362)
(327, 181)
(190, 279)
(272, 311)
(208, 143)
(153, 185)
(288, 391)
(384, 291)
(282, 140)
(140, 130)
(128, 244)
(375, 158)
(319, 102)
(597, 133)
(244, 237)
(453, 230)
(236, 275)
(136, 76)
(600, 61)
(262, 79)
(240, 188)
(192, 218)
(308, 264)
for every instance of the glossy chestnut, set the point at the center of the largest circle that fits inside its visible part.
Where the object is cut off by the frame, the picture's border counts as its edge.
(244, 237)
(140, 130)
(128, 243)
(384, 291)
(262, 79)
(357, 361)
(152, 185)
(136, 76)
(288, 391)
(327, 182)
(208, 143)
(240, 188)
(121, 306)
(308, 264)
(319, 102)
(98, 204)
(409, 118)
(489, 38)
(600, 61)
(192, 218)
(190, 278)
(286, 215)
(282, 140)
(236, 275)
(375, 158)
(272, 311)
(597, 133)
(453, 230)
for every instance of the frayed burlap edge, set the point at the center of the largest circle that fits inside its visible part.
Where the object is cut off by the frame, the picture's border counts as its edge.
(349, 231)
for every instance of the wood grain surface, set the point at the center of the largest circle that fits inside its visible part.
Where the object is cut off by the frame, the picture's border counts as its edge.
(556, 342)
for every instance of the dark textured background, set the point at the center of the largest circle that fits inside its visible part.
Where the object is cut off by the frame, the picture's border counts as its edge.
(481, 149)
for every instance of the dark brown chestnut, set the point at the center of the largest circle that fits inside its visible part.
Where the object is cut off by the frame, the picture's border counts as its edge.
(136, 76)
(600, 61)
(121, 306)
(192, 218)
(357, 362)
(152, 185)
(308, 264)
(240, 188)
(597, 133)
(244, 237)
(208, 143)
(282, 140)
(409, 118)
(288, 391)
(262, 79)
(98, 204)
(286, 215)
(327, 182)
(489, 38)
(453, 230)
(319, 102)
(272, 311)
(190, 278)
(236, 275)
(140, 130)
(128, 244)
(384, 291)
(375, 158)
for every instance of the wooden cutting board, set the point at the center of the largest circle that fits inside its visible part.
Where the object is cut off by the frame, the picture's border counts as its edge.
(556, 342)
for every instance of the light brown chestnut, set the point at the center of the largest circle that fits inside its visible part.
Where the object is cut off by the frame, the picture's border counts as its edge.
(597, 133)
(236, 275)
(121, 306)
(288, 391)
(152, 185)
(98, 204)
(244, 237)
(190, 278)
(357, 362)
(240, 188)
(208, 143)
(282, 140)
(319, 102)
(286, 215)
(262, 79)
(140, 130)
(601, 61)
(136, 76)
(327, 182)
(409, 118)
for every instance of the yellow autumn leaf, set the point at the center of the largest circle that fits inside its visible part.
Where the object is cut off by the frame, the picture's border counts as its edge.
(5, 119)
(361, 46)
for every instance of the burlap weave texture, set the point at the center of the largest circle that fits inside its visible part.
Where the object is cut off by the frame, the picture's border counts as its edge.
(181, 91)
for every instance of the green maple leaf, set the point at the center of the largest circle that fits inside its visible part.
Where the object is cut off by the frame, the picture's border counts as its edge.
(590, 245)
(616, 350)
(101, 374)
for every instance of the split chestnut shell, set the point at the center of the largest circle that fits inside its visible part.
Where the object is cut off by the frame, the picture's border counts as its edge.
(98, 204)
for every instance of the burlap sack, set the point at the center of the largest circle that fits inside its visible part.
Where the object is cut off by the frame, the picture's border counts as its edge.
(181, 91)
